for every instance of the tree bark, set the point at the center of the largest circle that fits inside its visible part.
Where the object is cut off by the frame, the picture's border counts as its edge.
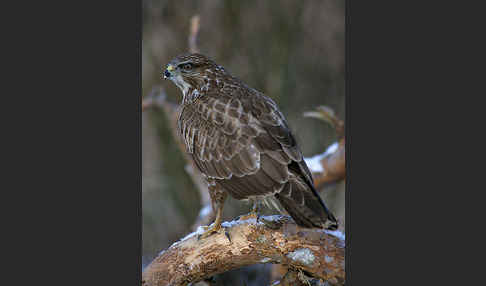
(273, 239)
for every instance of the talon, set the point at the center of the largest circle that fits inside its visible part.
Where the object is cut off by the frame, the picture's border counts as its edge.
(210, 230)
(227, 235)
(200, 235)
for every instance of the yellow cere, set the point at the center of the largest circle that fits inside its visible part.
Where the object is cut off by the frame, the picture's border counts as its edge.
(170, 67)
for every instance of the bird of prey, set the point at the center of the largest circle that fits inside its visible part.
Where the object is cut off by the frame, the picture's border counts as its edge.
(242, 144)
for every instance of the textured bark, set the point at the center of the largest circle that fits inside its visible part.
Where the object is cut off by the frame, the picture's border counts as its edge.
(274, 239)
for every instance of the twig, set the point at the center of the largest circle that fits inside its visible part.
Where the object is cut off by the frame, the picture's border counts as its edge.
(326, 113)
(194, 34)
(155, 98)
(274, 239)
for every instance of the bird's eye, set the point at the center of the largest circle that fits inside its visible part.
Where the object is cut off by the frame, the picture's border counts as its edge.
(187, 66)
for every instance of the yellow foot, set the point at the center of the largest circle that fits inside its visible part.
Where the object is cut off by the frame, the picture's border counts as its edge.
(214, 228)
(208, 230)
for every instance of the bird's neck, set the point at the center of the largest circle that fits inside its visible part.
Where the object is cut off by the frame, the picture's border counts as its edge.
(189, 95)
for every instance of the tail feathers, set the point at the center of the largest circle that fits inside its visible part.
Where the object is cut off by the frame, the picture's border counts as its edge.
(305, 206)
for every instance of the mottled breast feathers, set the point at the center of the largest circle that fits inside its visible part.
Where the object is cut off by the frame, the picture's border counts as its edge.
(240, 134)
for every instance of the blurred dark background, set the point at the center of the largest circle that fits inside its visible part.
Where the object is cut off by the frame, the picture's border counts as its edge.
(293, 51)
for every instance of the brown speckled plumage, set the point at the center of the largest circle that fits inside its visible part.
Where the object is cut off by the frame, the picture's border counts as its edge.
(241, 142)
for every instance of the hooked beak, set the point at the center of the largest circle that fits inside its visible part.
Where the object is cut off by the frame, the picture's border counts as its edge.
(167, 73)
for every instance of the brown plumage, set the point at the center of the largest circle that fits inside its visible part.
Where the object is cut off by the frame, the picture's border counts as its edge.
(242, 143)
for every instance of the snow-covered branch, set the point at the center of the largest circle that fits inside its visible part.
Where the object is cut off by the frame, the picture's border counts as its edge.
(273, 239)
(328, 167)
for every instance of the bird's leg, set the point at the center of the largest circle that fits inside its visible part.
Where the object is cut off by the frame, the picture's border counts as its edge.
(218, 197)
(215, 226)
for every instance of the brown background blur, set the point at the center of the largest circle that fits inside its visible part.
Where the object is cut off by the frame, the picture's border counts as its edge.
(291, 50)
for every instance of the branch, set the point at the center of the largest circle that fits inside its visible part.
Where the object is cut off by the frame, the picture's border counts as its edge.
(328, 167)
(274, 239)
(326, 114)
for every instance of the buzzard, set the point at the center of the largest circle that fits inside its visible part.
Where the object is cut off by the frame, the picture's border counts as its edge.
(242, 144)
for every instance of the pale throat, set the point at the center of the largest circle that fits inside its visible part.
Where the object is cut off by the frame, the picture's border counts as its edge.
(189, 93)
(184, 86)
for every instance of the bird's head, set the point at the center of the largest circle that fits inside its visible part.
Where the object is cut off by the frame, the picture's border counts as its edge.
(192, 71)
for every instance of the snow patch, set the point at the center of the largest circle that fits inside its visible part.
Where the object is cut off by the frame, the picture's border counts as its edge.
(314, 163)
(272, 217)
(333, 148)
(302, 255)
(238, 222)
(336, 233)
(200, 230)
